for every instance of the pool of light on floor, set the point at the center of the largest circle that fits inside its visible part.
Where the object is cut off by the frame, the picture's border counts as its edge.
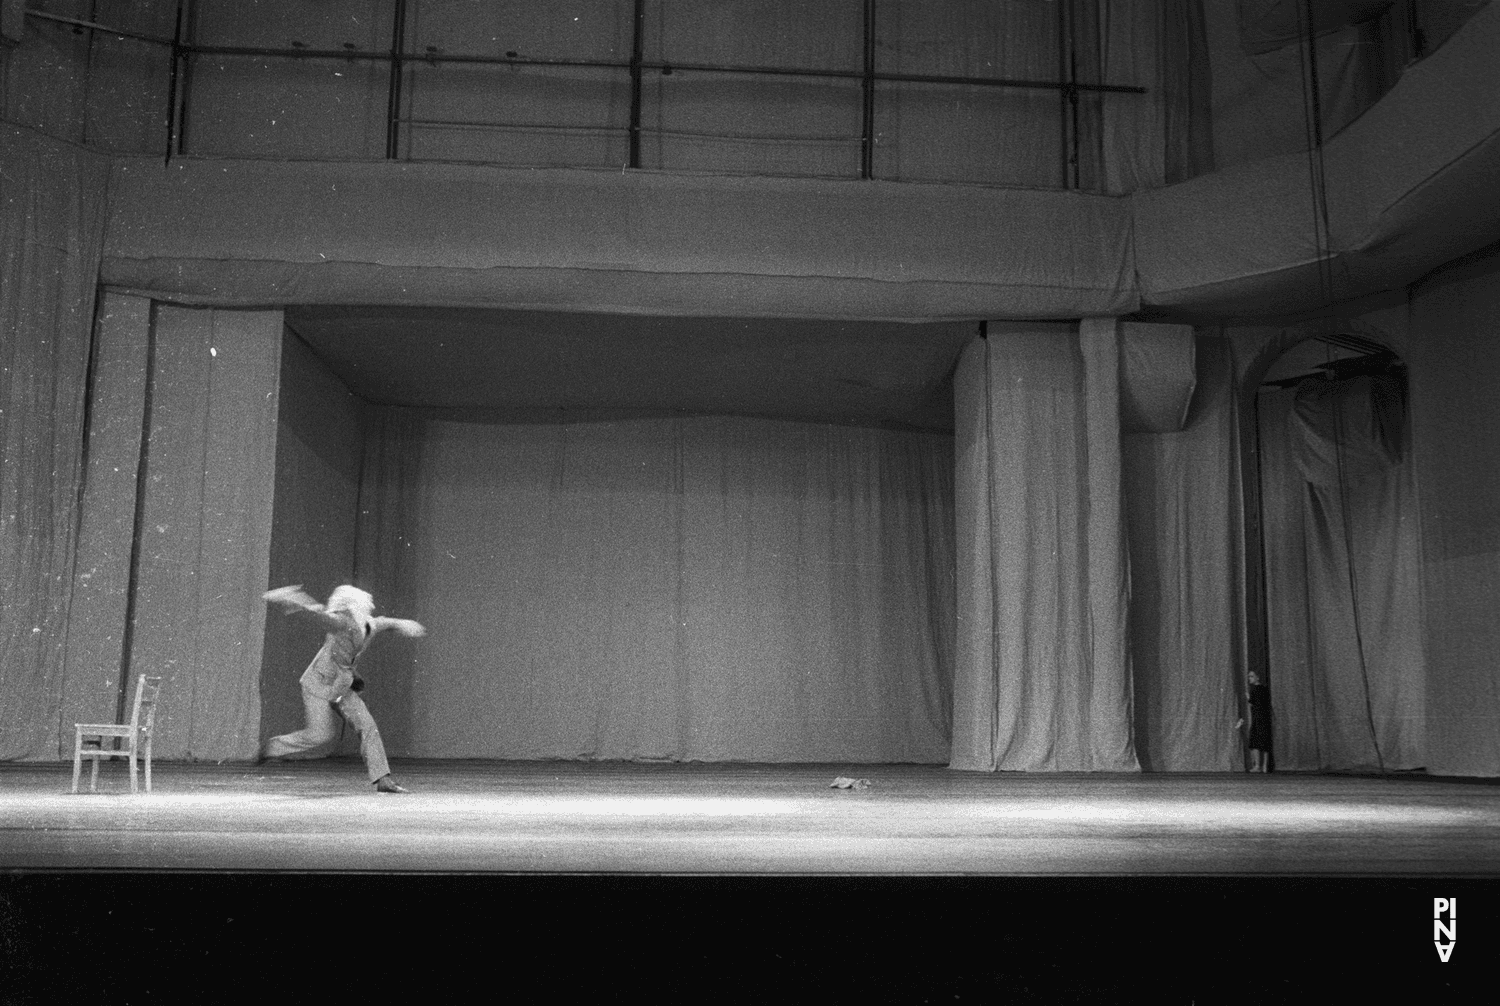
(67, 810)
(1212, 814)
(428, 804)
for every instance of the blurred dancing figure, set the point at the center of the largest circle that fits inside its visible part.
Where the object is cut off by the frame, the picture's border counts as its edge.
(330, 683)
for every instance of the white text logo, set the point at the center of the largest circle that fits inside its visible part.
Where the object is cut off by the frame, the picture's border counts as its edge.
(1445, 926)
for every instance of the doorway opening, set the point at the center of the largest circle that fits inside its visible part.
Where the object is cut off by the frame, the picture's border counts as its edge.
(1341, 683)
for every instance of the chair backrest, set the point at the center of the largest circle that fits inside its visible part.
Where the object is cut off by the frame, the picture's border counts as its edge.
(143, 715)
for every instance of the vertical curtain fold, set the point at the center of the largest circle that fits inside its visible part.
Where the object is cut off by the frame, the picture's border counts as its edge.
(1346, 664)
(1137, 141)
(1113, 142)
(1288, 626)
(319, 456)
(1183, 504)
(387, 529)
(1184, 83)
(975, 713)
(1107, 566)
(52, 214)
(1042, 679)
(92, 691)
(205, 527)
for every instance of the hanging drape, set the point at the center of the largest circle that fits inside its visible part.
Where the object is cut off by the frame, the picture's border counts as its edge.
(1183, 503)
(1265, 62)
(52, 213)
(1455, 411)
(106, 527)
(1109, 142)
(682, 588)
(1141, 141)
(319, 447)
(1341, 550)
(1042, 674)
(204, 526)
(392, 509)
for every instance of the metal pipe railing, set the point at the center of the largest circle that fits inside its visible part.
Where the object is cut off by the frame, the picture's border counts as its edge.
(393, 102)
(397, 59)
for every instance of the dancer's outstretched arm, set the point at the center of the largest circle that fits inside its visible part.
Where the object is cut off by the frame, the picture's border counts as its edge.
(402, 626)
(294, 598)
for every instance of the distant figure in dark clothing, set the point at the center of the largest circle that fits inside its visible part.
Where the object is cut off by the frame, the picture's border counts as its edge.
(1258, 708)
(330, 683)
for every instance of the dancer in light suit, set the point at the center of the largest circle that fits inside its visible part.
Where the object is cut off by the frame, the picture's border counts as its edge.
(330, 683)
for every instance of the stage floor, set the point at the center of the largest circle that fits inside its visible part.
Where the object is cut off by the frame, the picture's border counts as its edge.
(697, 819)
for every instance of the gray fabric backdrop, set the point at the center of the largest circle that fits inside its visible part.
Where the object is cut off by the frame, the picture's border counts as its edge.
(52, 214)
(676, 588)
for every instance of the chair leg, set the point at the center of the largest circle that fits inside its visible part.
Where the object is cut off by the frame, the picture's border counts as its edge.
(77, 763)
(134, 787)
(94, 775)
(148, 763)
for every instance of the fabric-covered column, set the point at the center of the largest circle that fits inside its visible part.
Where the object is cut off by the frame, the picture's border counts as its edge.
(204, 543)
(1106, 570)
(1042, 677)
(52, 209)
(1184, 527)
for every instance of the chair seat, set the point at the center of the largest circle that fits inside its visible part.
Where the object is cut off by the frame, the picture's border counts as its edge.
(106, 729)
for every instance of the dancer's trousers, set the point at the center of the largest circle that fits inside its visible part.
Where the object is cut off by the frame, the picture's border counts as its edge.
(322, 727)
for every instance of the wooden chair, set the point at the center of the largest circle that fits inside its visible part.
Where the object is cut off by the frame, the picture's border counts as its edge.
(136, 734)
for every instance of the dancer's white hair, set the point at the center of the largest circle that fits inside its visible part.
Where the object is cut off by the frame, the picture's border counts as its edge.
(345, 597)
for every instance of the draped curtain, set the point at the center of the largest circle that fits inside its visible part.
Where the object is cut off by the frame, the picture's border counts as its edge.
(1128, 141)
(680, 588)
(1042, 679)
(391, 515)
(1268, 53)
(1108, 142)
(1183, 503)
(102, 570)
(160, 565)
(52, 213)
(319, 453)
(204, 526)
(1341, 551)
